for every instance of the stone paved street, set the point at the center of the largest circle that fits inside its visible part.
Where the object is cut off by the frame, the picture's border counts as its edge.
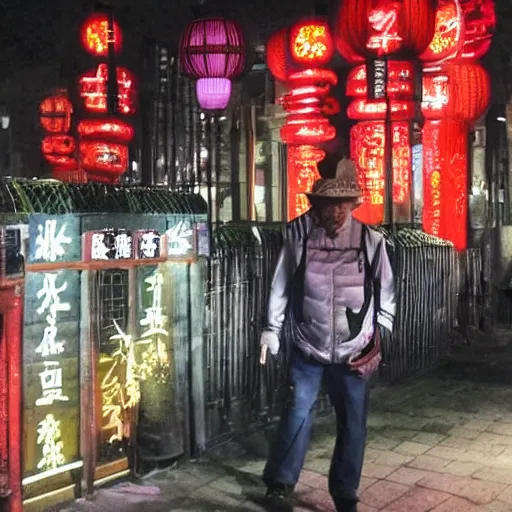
(435, 444)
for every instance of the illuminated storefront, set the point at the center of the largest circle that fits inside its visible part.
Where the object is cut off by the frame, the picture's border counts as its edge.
(104, 349)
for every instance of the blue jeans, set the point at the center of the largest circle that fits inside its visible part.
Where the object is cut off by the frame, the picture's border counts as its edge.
(348, 394)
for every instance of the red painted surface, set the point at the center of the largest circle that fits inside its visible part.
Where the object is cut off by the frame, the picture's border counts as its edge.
(11, 307)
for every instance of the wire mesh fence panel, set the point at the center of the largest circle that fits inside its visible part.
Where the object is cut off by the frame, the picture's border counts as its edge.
(53, 197)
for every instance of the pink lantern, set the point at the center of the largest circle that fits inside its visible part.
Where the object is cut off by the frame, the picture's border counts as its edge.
(213, 93)
(213, 51)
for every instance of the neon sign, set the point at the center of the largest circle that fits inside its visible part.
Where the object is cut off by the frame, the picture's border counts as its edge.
(49, 436)
(122, 394)
(117, 398)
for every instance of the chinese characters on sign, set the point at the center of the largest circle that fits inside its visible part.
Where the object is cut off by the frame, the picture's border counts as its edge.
(180, 239)
(122, 245)
(147, 244)
(417, 173)
(119, 393)
(50, 241)
(48, 435)
(100, 247)
(384, 22)
(121, 385)
(111, 245)
(51, 244)
(433, 178)
(378, 78)
(203, 239)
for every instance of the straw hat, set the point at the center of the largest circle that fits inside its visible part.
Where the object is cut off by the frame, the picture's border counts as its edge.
(344, 186)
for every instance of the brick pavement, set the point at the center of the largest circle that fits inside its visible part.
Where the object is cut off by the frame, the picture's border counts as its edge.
(434, 444)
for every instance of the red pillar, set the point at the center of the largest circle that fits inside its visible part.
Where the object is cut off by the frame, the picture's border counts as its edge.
(11, 307)
(4, 418)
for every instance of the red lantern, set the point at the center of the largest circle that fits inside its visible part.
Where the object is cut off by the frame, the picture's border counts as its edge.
(95, 35)
(373, 28)
(480, 22)
(454, 95)
(449, 33)
(277, 55)
(93, 89)
(400, 80)
(105, 162)
(59, 151)
(460, 92)
(311, 43)
(55, 113)
(376, 110)
(58, 145)
(103, 148)
(307, 102)
(113, 130)
(306, 123)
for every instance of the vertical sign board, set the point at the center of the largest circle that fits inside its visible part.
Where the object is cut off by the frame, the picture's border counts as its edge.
(51, 350)
(160, 431)
(417, 177)
(377, 79)
(203, 244)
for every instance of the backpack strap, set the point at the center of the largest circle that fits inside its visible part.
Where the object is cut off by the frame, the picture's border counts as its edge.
(370, 271)
(298, 282)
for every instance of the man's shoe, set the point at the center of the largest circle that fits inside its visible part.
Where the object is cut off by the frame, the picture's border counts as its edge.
(279, 491)
(344, 505)
(278, 497)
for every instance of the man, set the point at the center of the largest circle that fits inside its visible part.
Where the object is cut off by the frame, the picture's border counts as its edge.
(334, 284)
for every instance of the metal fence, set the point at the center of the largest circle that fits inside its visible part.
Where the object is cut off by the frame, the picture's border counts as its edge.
(471, 293)
(426, 285)
(240, 393)
(241, 271)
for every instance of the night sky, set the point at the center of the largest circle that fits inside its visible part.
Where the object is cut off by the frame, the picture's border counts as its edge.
(39, 31)
(46, 31)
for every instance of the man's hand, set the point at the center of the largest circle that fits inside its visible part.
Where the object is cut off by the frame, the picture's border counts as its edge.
(269, 341)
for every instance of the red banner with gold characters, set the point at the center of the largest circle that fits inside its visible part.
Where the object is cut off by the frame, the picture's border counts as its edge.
(445, 180)
(302, 174)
